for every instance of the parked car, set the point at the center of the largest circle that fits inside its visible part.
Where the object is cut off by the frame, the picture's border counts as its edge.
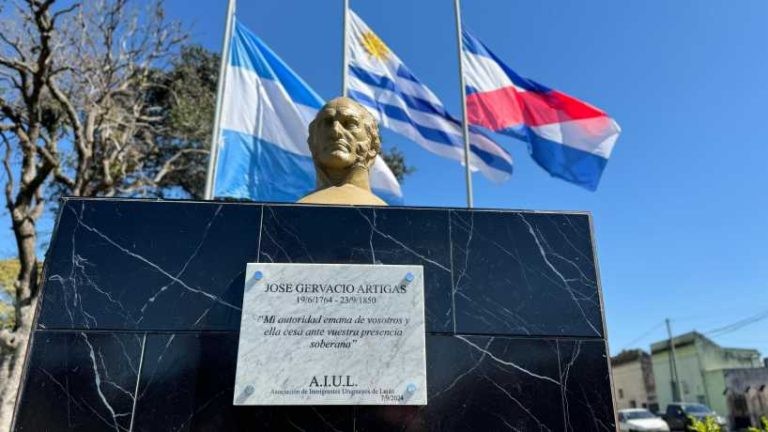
(679, 414)
(640, 420)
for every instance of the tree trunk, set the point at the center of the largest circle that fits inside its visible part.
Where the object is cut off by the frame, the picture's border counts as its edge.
(13, 348)
(25, 232)
(13, 344)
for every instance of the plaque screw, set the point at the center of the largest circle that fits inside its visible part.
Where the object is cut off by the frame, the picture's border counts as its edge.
(411, 388)
(248, 390)
(258, 275)
(409, 277)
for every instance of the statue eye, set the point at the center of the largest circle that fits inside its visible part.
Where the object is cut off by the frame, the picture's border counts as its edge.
(351, 124)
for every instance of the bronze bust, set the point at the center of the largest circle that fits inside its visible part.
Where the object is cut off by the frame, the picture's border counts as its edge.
(344, 142)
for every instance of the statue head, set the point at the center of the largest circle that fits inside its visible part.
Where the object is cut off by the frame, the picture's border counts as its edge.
(343, 137)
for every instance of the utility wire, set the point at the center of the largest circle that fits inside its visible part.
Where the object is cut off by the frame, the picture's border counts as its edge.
(716, 332)
(737, 325)
(643, 336)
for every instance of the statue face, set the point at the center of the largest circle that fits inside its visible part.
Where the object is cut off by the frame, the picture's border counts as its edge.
(340, 135)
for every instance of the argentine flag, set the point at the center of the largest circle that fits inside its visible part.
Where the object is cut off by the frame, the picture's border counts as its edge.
(401, 103)
(266, 110)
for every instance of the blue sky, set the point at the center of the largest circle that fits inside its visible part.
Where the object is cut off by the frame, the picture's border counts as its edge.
(680, 212)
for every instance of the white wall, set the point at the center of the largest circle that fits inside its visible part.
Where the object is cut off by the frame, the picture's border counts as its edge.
(628, 378)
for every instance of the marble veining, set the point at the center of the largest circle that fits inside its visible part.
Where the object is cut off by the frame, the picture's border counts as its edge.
(81, 381)
(302, 234)
(526, 273)
(508, 271)
(99, 250)
(140, 312)
(474, 383)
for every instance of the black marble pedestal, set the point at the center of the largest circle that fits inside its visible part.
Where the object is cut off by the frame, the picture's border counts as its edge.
(138, 321)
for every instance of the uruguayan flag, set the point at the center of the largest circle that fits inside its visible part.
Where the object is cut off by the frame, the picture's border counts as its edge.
(381, 82)
(266, 109)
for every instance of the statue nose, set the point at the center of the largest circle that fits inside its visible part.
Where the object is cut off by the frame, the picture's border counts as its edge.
(337, 129)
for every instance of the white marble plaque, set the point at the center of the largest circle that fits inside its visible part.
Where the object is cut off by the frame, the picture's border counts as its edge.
(332, 334)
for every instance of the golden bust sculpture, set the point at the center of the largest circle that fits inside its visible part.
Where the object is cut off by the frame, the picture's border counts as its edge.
(344, 142)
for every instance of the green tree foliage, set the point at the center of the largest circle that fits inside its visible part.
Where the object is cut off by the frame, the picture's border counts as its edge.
(185, 96)
(396, 162)
(75, 119)
(764, 428)
(9, 270)
(707, 425)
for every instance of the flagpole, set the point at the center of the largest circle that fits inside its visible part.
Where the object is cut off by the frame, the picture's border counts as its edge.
(464, 123)
(345, 51)
(210, 178)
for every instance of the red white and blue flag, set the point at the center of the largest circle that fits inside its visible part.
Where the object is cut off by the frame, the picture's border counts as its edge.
(569, 138)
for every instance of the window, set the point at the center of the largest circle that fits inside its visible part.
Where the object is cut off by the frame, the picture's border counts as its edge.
(632, 404)
(696, 409)
(637, 414)
(621, 394)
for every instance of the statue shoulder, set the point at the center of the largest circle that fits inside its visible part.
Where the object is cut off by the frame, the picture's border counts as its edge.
(344, 194)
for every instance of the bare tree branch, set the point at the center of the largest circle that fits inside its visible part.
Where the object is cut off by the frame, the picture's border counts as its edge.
(74, 119)
(95, 74)
(63, 12)
(15, 45)
(16, 65)
(168, 165)
(8, 173)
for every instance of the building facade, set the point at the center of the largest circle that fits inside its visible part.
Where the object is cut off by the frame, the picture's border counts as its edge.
(633, 380)
(744, 394)
(707, 373)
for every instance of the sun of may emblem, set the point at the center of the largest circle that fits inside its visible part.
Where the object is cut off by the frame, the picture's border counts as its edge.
(374, 45)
